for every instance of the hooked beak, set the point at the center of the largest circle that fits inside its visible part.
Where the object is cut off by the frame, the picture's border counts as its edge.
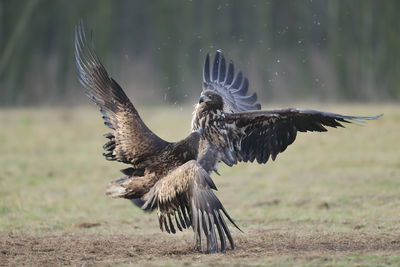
(204, 98)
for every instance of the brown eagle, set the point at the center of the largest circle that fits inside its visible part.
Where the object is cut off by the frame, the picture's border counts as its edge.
(174, 177)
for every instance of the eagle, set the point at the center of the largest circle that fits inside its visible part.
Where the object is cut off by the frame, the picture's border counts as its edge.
(174, 178)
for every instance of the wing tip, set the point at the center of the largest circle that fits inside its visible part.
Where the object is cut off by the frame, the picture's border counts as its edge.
(376, 116)
(219, 75)
(363, 119)
(206, 71)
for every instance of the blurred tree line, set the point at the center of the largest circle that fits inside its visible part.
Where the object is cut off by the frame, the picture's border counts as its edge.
(314, 49)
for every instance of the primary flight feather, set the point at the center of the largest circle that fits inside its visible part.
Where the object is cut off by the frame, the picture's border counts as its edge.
(228, 125)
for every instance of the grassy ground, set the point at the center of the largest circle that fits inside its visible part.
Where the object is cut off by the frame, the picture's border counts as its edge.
(330, 199)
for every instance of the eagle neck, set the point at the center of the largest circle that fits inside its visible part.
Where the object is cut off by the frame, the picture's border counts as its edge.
(202, 116)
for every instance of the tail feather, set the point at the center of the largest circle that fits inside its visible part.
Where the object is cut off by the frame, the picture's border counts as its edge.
(117, 188)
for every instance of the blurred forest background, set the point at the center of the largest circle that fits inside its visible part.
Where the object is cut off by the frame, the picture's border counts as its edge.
(304, 50)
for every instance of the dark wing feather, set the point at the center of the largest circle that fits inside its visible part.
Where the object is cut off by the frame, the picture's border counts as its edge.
(188, 190)
(130, 140)
(232, 89)
(260, 135)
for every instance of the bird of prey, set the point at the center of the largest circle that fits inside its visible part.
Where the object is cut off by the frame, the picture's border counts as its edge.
(174, 177)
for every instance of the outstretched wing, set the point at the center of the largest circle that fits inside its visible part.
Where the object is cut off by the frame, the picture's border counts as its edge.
(185, 198)
(221, 78)
(130, 140)
(259, 135)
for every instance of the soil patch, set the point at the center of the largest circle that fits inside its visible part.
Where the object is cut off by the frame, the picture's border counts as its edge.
(92, 249)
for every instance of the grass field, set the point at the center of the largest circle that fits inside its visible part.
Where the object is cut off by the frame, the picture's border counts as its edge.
(330, 199)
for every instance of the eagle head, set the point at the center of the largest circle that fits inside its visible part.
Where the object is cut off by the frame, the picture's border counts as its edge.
(211, 100)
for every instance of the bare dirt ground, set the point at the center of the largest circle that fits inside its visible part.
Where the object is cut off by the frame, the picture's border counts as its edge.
(254, 248)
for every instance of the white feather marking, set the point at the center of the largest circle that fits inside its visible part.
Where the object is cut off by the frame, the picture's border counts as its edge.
(231, 126)
(115, 190)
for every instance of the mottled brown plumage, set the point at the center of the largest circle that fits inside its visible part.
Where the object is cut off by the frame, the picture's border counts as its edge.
(174, 177)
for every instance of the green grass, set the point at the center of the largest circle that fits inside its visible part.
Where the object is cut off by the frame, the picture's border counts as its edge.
(341, 184)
